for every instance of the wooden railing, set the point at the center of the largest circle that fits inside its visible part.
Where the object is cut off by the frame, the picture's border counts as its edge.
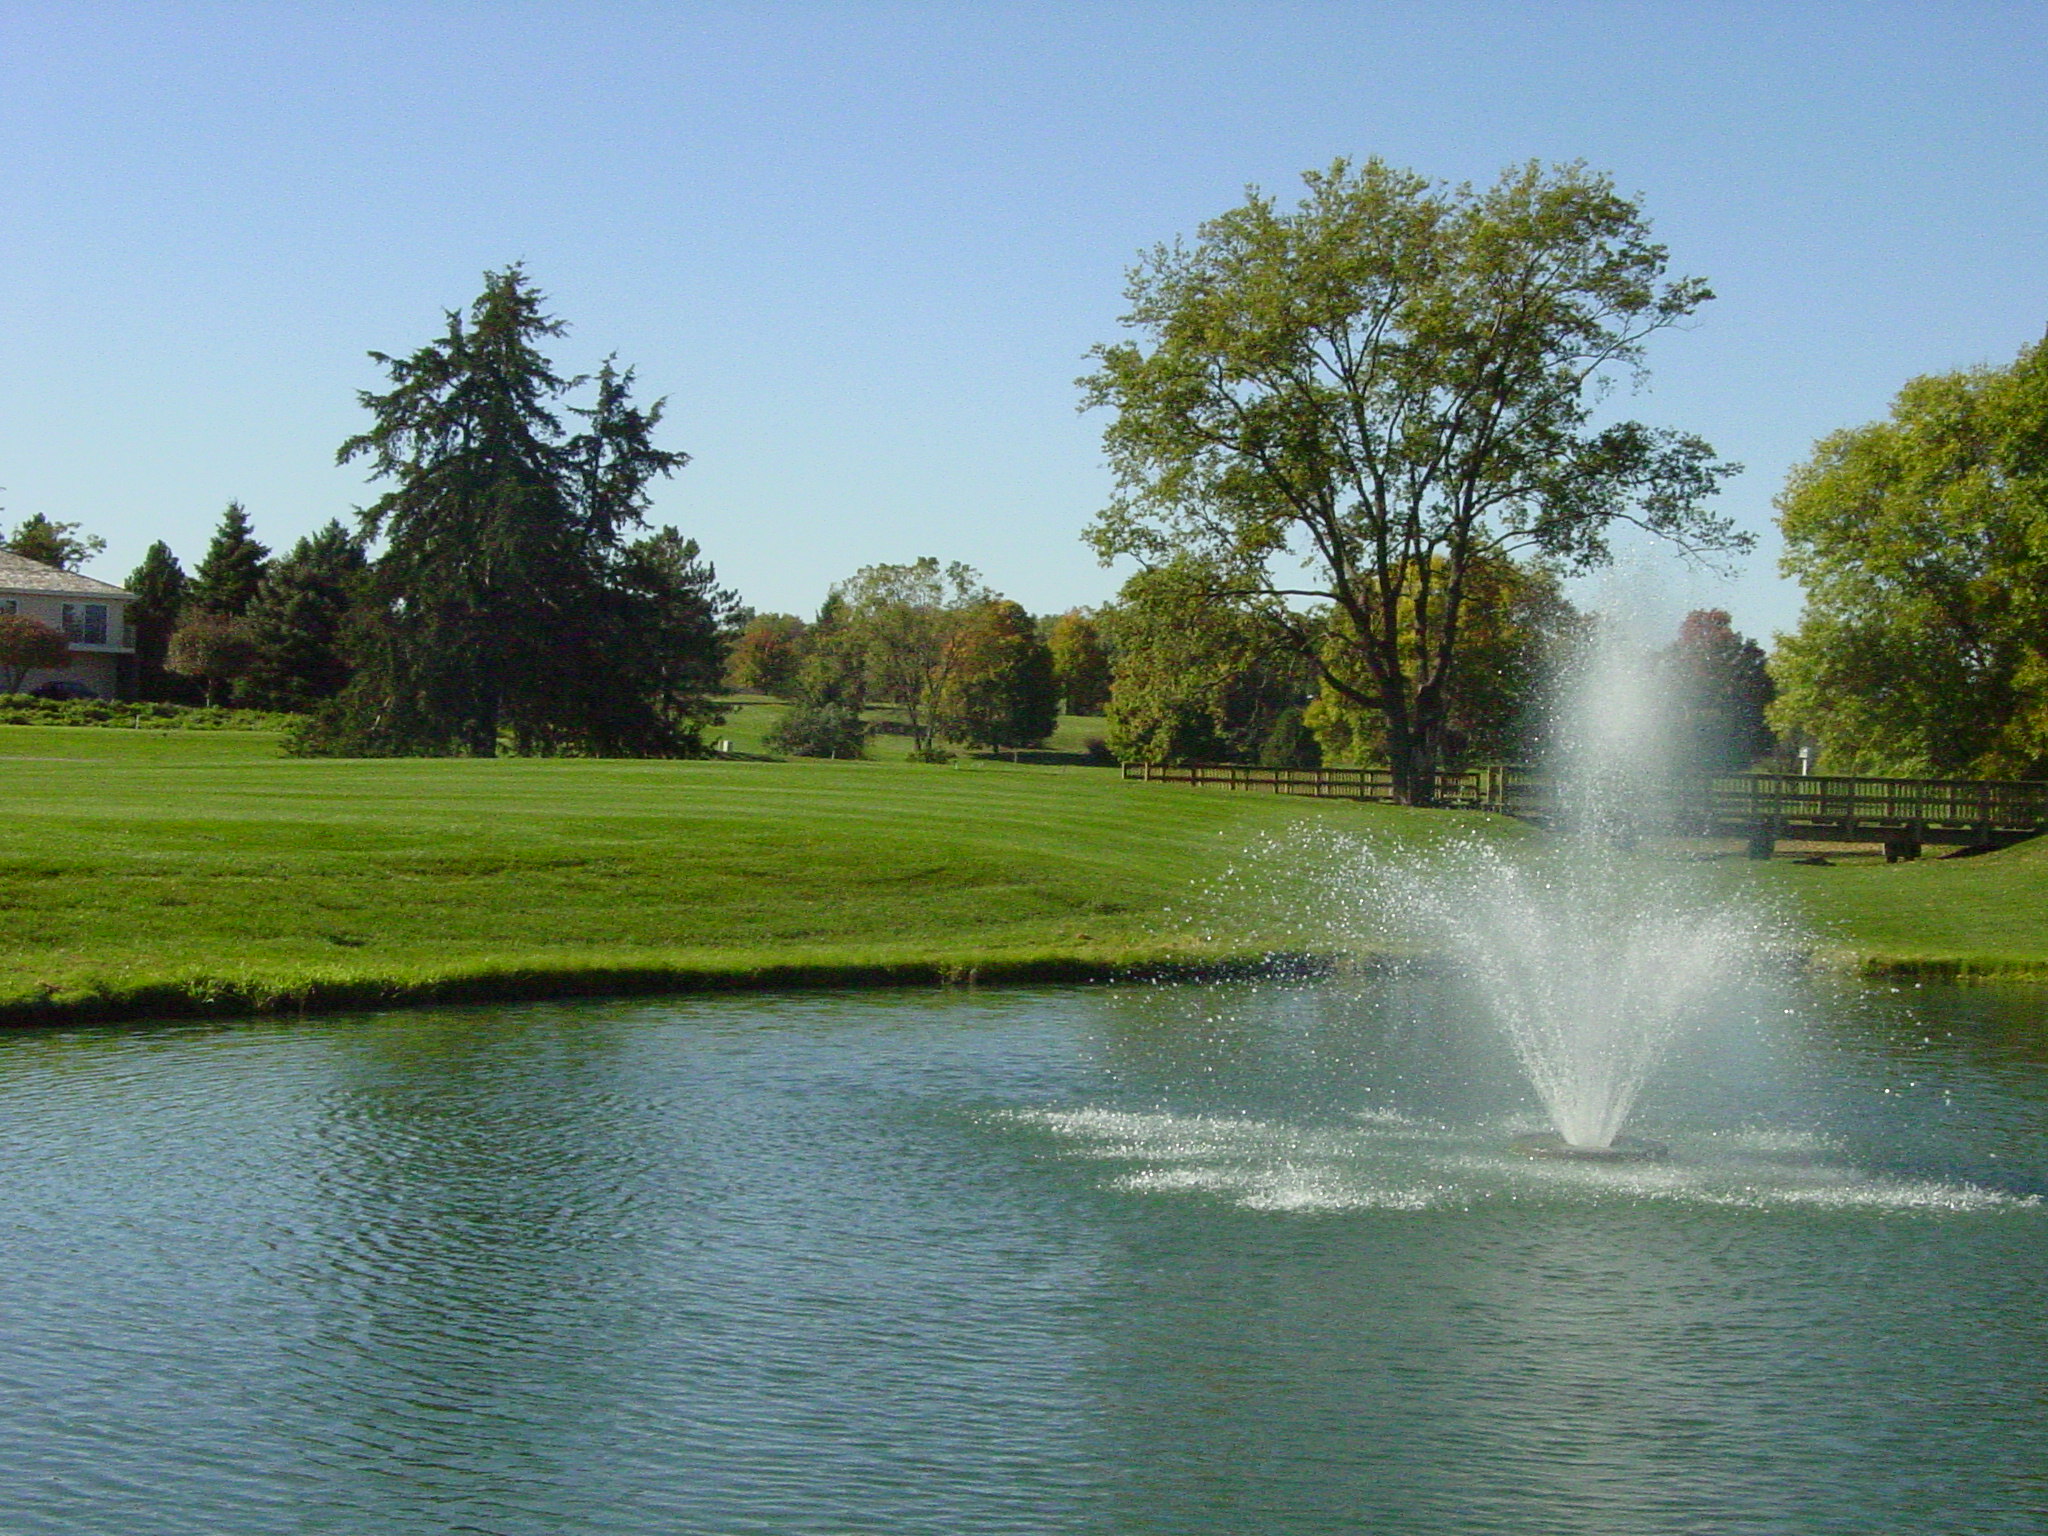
(1747, 799)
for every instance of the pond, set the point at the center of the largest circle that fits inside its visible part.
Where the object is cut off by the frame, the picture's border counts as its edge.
(1173, 1260)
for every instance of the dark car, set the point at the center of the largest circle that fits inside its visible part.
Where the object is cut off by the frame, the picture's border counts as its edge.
(63, 688)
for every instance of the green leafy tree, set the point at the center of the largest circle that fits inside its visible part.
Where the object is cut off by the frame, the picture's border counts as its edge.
(215, 649)
(1517, 623)
(297, 622)
(1922, 545)
(1080, 662)
(768, 655)
(27, 644)
(58, 544)
(999, 689)
(900, 621)
(1195, 681)
(505, 601)
(1722, 690)
(159, 584)
(232, 572)
(1347, 405)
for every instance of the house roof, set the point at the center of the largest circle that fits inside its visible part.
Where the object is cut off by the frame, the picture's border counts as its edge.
(18, 574)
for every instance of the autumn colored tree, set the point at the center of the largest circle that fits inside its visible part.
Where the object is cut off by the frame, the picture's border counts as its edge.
(1721, 690)
(27, 645)
(999, 689)
(768, 655)
(1080, 662)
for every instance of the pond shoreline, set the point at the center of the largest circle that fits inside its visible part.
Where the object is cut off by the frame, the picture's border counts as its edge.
(246, 996)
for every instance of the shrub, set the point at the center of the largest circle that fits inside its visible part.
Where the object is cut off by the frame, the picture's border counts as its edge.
(820, 730)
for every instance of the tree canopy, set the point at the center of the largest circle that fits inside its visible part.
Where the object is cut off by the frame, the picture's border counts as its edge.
(999, 689)
(901, 621)
(1351, 404)
(159, 584)
(58, 544)
(25, 645)
(1922, 544)
(507, 601)
(227, 580)
(296, 624)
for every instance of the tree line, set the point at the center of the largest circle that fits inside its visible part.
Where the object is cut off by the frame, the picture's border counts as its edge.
(1359, 444)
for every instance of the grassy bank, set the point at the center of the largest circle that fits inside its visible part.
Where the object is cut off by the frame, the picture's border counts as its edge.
(148, 873)
(1983, 918)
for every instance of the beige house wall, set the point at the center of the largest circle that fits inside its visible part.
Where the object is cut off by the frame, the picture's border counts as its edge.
(96, 666)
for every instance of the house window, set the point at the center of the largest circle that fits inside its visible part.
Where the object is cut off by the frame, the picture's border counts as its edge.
(7, 605)
(86, 623)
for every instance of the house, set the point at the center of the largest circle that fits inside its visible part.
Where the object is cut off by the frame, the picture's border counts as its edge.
(92, 614)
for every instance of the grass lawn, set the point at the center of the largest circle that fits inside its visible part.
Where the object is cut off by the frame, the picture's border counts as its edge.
(1985, 916)
(151, 872)
(162, 871)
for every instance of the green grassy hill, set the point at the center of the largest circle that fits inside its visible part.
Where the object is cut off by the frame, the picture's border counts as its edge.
(160, 871)
(157, 872)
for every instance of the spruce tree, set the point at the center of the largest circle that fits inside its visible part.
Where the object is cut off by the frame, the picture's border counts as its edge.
(159, 584)
(502, 604)
(227, 579)
(295, 625)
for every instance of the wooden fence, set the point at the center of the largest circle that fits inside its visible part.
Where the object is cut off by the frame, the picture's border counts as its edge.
(1825, 807)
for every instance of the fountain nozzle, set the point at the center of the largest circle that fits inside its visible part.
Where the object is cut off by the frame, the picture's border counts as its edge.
(1623, 1149)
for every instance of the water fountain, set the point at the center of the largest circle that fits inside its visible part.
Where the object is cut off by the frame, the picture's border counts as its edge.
(1590, 953)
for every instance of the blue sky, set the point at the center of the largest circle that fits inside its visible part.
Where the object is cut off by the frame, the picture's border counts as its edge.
(864, 249)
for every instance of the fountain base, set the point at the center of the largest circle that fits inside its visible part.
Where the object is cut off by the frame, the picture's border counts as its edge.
(1624, 1149)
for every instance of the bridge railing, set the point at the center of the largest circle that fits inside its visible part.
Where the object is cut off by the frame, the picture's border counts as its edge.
(1758, 798)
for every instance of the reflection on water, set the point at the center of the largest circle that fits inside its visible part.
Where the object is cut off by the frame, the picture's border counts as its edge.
(1173, 1260)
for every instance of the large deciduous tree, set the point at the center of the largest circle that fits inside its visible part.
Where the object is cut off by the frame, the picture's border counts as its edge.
(1080, 662)
(900, 620)
(1518, 627)
(1721, 689)
(1922, 545)
(1197, 680)
(1351, 404)
(999, 689)
(506, 602)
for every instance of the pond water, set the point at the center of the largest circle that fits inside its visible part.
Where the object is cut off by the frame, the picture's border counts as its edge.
(1133, 1260)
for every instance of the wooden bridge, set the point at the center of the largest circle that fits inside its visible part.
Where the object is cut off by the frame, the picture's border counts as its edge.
(1904, 815)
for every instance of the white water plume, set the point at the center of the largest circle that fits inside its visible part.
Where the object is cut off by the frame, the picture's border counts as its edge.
(1592, 952)
(1591, 960)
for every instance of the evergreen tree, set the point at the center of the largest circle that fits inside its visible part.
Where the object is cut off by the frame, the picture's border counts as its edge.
(58, 544)
(295, 625)
(506, 600)
(228, 578)
(159, 585)
(681, 630)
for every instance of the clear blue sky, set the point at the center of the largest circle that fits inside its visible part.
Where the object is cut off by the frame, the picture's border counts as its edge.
(864, 248)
